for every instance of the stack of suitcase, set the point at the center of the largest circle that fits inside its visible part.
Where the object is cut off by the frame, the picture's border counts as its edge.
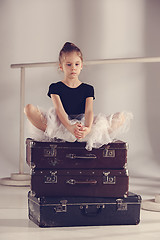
(71, 186)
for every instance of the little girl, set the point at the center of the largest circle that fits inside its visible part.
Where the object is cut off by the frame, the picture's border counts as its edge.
(72, 119)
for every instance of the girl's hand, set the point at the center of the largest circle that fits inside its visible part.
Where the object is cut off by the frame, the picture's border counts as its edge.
(74, 129)
(81, 131)
(71, 128)
(78, 130)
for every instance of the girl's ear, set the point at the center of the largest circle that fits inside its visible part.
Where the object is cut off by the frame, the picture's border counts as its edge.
(60, 67)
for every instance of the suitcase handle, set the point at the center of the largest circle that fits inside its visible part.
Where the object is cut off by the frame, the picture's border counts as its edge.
(73, 182)
(87, 156)
(84, 210)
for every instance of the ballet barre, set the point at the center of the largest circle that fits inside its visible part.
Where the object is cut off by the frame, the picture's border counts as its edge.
(93, 62)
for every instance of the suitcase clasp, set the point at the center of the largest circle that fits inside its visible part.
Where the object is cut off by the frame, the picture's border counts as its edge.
(108, 152)
(52, 178)
(108, 179)
(50, 152)
(61, 207)
(120, 205)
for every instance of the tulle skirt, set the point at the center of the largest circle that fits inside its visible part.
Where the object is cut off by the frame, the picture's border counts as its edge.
(105, 129)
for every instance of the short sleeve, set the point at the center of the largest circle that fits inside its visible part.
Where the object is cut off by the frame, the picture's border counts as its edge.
(90, 92)
(53, 89)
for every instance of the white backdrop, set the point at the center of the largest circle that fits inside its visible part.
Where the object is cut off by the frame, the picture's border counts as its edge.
(35, 31)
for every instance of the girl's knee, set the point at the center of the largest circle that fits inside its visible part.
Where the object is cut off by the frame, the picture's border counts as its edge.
(29, 108)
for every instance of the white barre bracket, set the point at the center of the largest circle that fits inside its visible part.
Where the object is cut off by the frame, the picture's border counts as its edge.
(152, 204)
(16, 179)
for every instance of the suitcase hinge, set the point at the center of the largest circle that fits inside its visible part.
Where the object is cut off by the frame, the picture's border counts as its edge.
(108, 152)
(120, 205)
(108, 179)
(32, 194)
(32, 171)
(52, 178)
(61, 207)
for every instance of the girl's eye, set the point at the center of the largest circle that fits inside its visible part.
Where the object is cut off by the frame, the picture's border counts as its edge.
(77, 64)
(69, 64)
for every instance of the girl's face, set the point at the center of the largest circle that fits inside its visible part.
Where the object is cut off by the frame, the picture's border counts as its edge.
(71, 65)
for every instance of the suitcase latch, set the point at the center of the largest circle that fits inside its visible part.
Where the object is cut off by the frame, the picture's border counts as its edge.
(108, 153)
(120, 205)
(50, 152)
(61, 207)
(52, 178)
(107, 179)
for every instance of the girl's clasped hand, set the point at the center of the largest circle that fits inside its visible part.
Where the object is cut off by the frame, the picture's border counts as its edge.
(80, 131)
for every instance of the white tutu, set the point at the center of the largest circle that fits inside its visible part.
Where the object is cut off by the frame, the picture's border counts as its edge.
(105, 129)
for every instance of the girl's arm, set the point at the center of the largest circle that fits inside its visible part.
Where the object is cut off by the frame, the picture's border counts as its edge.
(82, 131)
(62, 115)
(89, 112)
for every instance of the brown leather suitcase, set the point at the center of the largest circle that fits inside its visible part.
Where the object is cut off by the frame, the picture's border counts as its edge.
(63, 155)
(80, 182)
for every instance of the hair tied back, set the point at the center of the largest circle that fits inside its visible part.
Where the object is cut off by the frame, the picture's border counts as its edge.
(69, 47)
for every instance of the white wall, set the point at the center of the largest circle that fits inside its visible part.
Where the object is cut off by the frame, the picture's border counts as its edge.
(31, 31)
(35, 30)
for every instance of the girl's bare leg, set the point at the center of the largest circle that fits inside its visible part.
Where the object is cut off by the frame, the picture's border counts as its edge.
(35, 117)
(117, 120)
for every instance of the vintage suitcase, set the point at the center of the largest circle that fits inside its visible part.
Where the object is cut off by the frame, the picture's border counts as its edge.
(80, 182)
(74, 155)
(70, 211)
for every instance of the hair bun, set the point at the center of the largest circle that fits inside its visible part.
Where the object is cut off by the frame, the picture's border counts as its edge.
(70, 47)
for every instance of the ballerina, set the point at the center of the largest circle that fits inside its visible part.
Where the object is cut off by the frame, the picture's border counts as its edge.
(71, 118)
